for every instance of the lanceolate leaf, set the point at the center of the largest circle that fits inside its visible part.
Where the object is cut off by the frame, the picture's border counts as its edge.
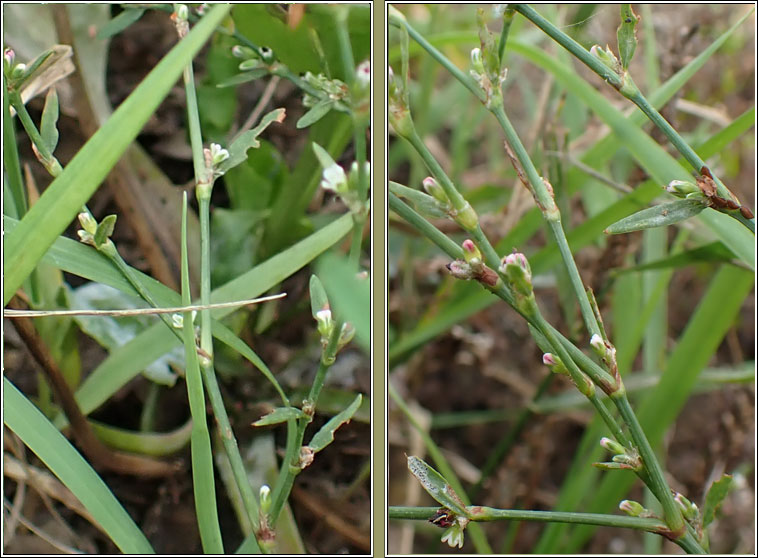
(627, 35)
(424, 203)
(316, 113)
(325, 436)
(49, 124)
(247, 140)
(278, 415)
(436, 485)
(63, 199)
(120, 22)
(657, 216)
(244, 77)
(716, 494)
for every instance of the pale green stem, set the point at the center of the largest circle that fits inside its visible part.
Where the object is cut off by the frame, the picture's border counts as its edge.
(204, 187)
(552, 215)
(658, 484)
(50, 163)
(626, 87)
(291, 463)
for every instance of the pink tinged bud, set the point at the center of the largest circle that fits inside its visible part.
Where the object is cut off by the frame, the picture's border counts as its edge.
(460, 270)
(555, 364)
(518, 259)
(433, 188)
(471, 253)
(9, 57)
(516, 267)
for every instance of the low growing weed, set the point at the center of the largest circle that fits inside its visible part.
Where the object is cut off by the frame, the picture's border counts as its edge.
(280, 199)
(521, 170)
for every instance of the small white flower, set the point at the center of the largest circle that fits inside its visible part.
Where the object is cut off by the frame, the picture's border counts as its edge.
(453, 536)
(177, 319)
(334, 178)
(218, 154)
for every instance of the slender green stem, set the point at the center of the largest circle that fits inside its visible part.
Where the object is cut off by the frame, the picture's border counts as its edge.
(450, 189)
(202, 458)
(47, 159)
(346, 49)
(543, 197)
(626, 87)
(552, 215)
(507, 21)
(11, 160)
(483, 513)
(437, 55)
(291, 463)
(610, 421)
(204, 187)
(136, 282)
(425, 227)
(658, 484)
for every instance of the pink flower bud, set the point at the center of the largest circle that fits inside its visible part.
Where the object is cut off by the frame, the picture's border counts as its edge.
(518, 259)
(548, 359)
(9, 57)
(460, 270)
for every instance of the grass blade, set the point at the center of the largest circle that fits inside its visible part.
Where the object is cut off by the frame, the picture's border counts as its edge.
(63, 199)
(29, 424)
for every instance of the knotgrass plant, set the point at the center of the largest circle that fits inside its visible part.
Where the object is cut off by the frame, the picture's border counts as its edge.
(631, 432)
(34, 244)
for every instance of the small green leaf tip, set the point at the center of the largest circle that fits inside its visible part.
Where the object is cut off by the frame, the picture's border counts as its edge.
(627, 35)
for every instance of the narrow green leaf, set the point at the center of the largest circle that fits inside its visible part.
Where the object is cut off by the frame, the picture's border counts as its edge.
(325, 435)
(248, 140)
(244, 77)
(436, 485)
(29, 424)
(713, 500)
(127, 361)
(63, 199)
(425, 204)
(203, 483)
(49, 123)
(316, 113)
(279, 415)
(105, 229)
(120, 22)
(319, 300)
(657, 216)
(323, 156)
(627, 34)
